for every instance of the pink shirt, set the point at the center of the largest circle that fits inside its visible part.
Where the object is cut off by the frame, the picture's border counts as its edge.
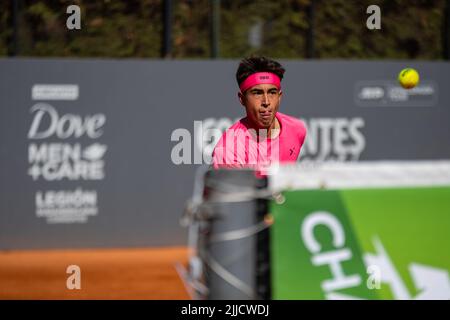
(239, 146)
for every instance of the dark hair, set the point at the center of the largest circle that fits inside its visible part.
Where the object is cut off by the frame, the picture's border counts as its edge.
(253, 64)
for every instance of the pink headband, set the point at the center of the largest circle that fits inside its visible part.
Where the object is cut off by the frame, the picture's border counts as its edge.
(259, 78)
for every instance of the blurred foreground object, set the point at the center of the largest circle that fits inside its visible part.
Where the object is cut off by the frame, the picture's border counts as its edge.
(365, 230)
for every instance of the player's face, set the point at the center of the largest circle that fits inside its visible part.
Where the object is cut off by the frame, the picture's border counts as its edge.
(261, 103)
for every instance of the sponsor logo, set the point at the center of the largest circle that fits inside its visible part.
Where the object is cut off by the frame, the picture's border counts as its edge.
(371, 93)
(333, 139)
(391, 94)
(48, 123)
(58, 152)
(431, 282)
(65, 206)
(58, 160)
(55, 92)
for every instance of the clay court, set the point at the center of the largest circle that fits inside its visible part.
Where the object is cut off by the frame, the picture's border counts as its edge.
(144, 273)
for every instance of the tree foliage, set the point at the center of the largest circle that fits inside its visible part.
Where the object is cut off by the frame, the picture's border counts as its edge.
(411, 29)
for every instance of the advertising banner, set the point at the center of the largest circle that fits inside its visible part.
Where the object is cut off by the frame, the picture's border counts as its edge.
(103, 153)
(342, 238)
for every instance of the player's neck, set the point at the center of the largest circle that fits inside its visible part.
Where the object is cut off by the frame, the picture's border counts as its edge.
(274, 129)
(272, 132)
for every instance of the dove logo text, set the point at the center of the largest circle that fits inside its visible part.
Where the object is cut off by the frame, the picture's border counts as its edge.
(47, 122)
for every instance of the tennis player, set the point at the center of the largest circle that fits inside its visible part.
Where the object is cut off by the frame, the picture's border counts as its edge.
(265, 136)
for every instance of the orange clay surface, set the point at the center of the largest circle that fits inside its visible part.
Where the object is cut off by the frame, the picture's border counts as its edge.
(105, 274)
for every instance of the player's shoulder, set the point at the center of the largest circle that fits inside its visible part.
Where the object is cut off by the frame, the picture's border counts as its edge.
(292, 122)
(237, 128)
(238, 124)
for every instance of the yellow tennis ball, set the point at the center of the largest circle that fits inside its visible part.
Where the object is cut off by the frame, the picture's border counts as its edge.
(408, 78)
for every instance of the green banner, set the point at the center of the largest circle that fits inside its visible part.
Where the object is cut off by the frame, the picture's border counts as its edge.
(377, 243)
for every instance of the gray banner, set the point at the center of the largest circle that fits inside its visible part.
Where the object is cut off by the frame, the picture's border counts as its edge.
(102, 153)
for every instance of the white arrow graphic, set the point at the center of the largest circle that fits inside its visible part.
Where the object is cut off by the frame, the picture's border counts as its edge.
(433, 283)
